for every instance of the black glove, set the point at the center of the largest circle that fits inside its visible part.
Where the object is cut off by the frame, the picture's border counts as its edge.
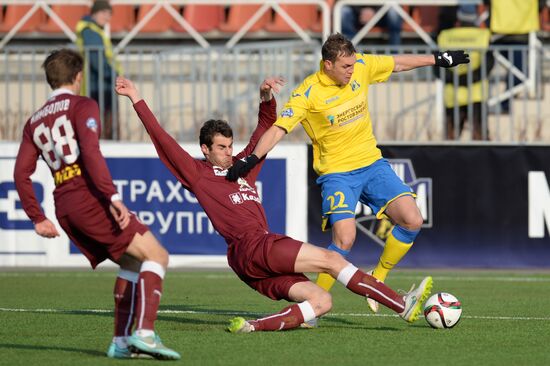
(241, 167)
(451, 58)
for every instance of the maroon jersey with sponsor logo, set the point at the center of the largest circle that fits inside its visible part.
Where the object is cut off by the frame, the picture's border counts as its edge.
(233, 207)
(65, 133)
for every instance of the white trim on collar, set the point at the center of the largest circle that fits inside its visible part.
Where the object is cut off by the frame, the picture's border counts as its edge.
(60, 91)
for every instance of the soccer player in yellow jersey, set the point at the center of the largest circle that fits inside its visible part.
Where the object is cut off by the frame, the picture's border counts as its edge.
(332, 106)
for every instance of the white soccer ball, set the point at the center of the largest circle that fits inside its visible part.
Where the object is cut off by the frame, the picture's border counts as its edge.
(442, 310)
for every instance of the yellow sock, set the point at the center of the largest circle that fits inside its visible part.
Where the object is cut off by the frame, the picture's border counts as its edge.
(392, 254)
(325, 281)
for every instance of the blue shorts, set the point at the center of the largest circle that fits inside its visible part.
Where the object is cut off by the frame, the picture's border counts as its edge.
(375, 185)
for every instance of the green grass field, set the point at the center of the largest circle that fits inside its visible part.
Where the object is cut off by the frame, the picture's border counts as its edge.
(65, 318)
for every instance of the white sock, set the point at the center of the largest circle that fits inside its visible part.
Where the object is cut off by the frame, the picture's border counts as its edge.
(307, 311)
(346, 274)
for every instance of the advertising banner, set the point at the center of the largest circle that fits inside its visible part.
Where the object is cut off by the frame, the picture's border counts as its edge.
(483, 206)
(151, 191)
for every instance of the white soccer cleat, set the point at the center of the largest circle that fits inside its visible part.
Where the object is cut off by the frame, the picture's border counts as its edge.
(373, 304)
(415, 298)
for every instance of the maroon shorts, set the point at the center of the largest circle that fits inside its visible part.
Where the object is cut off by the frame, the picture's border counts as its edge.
(265, 262)
(96, 233)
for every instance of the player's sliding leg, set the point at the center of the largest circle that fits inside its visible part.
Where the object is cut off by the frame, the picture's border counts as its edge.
(314, 259)
(288, 318)
(149, 292)
(408, 306)
(312, 302)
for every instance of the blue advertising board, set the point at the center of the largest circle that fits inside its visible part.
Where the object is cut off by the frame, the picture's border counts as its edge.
(173, 213)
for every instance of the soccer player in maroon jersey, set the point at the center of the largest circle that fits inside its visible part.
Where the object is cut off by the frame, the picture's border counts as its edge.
(65, 133)
(270, 263)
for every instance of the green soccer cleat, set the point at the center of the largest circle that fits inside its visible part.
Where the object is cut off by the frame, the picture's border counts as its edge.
(115, 351)
(240, 325)
(151, 345)
(415, 298)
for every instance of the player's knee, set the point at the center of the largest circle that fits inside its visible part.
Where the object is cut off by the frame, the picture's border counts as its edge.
(412, 221)
(345, 240)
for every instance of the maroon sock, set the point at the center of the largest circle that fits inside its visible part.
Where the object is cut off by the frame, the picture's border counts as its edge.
(124, 293)
(148, 299)
(288, 318)
(366, 285)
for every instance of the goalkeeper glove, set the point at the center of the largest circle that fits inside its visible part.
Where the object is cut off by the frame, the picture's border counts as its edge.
(451, 58)
(241, 167)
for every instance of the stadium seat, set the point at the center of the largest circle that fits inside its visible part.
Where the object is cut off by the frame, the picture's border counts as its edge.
(545, 19)
(16, 12)
(70, 14)
(162, 21)
(240, 14)
(304, 15)
(124, 18)
(204, 18)
(427, 17)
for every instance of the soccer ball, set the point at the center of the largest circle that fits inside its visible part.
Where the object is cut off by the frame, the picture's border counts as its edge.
(442, 310)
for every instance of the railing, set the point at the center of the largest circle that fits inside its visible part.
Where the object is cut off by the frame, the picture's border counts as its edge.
(265, 5)
(185, 86)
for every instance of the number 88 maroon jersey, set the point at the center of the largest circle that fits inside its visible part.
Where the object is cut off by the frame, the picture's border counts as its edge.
(65, 133)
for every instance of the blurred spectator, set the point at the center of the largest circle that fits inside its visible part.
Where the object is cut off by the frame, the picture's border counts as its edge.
(355, 17)
(100, 69)
(511, 21)
(458, 94)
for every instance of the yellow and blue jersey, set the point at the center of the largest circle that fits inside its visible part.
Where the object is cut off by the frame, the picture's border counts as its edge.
(336, 118)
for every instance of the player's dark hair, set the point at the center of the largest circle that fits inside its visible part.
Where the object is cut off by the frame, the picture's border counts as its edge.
(337, 45)
(62, 66)
(212, 127)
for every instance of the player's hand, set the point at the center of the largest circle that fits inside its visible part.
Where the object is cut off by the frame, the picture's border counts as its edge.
(451, 58)
(241, 167)
(46, 229)
(120, 213)
(269, 85)
(127, 88)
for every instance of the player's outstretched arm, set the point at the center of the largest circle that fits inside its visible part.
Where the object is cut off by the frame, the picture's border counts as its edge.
(46, 229)
(442, 59)
(177, 160)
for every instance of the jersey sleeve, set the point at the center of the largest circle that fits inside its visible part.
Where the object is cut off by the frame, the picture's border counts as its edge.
(182, 165)
(266, 117)
(378, 68)
(25, 165)
(267, 114)
(86, 123)
(295, 109)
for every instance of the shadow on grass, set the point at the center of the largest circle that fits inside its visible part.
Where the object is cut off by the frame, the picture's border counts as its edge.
(27, 347)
